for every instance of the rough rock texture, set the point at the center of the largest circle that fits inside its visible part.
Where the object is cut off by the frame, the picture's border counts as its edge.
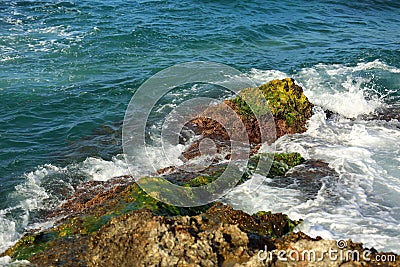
(290, 109)
(106, 225)
(115, 223)
(141, 238)
(299, 249)
(158, 241)
(387, 113)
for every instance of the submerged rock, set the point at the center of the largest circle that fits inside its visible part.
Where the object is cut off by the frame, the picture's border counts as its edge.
(386, 113)
(307, 177)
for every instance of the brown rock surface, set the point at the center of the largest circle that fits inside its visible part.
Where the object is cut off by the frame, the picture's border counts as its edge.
(288, 105)
(143, 239)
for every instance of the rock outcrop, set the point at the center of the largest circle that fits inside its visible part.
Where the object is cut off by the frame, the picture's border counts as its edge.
(287, 104)
(96, 204)
(219, 237)
(116, 223)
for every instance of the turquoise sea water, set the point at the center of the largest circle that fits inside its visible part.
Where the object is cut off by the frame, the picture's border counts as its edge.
(69, 68)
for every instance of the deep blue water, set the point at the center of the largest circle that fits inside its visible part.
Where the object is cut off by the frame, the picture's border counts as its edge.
(69, 68)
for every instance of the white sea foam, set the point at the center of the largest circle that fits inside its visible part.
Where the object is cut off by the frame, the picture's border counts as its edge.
(30, 196)
(6, 261)
(8, 232)
(34, 194)
(336, 87)
(103, 170)
(363, 202)
(264, 76)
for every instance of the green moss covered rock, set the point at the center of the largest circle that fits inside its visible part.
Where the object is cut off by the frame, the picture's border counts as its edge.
(286, 101)
(281, 164)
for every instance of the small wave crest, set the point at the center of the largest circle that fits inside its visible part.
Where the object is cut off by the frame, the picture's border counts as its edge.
(349, 91)
(45, 188)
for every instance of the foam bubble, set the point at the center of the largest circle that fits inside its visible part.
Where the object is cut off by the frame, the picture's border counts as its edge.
(339, 89)
(264, 76)
(102, 170)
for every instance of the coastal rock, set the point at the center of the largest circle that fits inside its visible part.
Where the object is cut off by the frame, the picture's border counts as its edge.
(289, 107)
(386, 113)
(157, 241)
(307, 177)
(93, 220)
(219, 237)
(106, 199)
(92, 194)
(120, 231)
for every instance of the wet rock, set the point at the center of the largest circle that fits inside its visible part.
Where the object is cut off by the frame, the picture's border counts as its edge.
(307, 177)
(261, 223)
(387, 114)
(301, 250)
(290, 109)
(281, 163)
(92, 194)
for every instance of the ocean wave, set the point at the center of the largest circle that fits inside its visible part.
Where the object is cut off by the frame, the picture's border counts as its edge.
(350, 91)
(361, 203)
(45, 188)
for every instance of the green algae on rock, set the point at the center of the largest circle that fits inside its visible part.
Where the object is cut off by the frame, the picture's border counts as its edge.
(284, 101)
(281, 164)
(221, 236)
(29, 245)
(70, 243)
(107, 202)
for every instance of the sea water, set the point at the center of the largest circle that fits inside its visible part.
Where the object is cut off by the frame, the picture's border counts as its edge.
(69, 68)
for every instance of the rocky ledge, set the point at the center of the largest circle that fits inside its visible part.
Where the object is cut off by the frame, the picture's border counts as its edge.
(115, 223)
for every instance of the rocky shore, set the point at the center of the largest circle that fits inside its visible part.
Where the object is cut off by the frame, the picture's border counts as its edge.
(115, 223)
